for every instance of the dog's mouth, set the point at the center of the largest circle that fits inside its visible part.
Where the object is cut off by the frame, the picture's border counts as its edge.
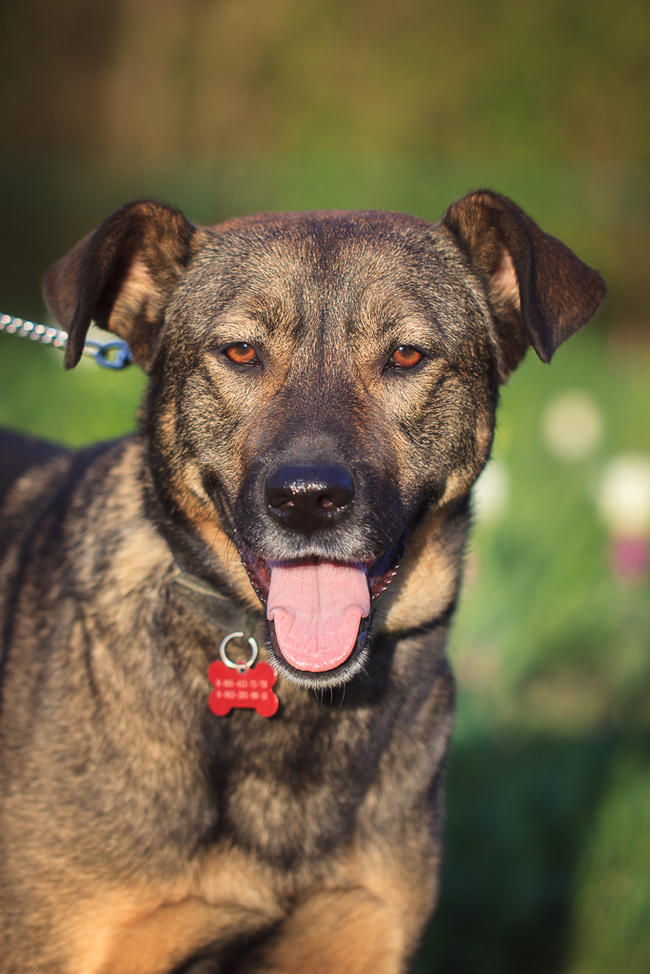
(319, 611)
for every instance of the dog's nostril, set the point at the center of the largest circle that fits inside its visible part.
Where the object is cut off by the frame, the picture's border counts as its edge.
(308, 498)
(281, 502)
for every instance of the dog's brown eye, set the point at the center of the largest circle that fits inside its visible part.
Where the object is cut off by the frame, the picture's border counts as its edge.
(405, 357)
(241, 354)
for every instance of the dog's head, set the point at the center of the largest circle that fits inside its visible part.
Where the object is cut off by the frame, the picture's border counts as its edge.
(322, 393)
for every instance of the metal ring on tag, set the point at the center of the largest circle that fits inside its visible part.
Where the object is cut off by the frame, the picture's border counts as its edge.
(238, 666)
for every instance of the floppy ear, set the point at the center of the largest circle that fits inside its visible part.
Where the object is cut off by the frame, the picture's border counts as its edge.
(539, 292)
(122, 276)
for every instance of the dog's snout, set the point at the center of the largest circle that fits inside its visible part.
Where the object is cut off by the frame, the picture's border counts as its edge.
(309, 498)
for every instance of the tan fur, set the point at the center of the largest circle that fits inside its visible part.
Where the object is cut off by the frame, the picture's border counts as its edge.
(366, 919)
(427, 581)
(208, 527)
(346, 930)
(505, 280)
(126, 937)
(138, 298)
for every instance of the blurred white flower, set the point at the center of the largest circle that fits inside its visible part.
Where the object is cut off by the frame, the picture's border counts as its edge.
(624, 494)
(572, 425)
(490, 493)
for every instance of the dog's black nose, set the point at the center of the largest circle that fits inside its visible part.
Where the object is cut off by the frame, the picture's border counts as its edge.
(306, 499)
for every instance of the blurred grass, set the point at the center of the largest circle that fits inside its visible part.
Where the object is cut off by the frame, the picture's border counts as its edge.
(72, 408)
(613, 899)
(547, 865)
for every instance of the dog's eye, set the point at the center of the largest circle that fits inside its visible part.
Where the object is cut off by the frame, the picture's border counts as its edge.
(405, 357)
(241, 354)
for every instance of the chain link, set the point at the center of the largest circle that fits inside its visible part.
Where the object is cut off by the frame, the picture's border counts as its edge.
(114, 354)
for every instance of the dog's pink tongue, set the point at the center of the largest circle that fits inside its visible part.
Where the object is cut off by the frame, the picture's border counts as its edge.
(316, 610)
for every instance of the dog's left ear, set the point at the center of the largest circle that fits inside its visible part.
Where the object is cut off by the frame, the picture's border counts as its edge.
(122, 276)
(539, 292)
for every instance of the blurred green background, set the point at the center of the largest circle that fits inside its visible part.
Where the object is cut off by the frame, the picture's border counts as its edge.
(233, 106)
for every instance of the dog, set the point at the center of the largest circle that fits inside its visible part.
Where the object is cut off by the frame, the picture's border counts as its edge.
(321, 398)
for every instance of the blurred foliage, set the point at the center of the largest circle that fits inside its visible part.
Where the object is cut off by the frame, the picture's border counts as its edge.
(233, 106)
(546, 79)
(613, 899)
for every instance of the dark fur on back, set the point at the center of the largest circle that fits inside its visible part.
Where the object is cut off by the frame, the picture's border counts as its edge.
(140, 833)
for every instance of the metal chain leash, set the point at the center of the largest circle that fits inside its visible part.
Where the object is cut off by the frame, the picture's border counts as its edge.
(114, 354)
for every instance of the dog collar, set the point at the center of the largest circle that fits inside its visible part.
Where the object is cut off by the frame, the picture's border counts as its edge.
(213, 606)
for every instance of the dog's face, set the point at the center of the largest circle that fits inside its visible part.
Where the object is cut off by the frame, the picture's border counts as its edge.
(321, 384)
(341, 381)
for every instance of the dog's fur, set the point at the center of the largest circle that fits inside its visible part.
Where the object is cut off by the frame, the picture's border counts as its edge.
(140, 833)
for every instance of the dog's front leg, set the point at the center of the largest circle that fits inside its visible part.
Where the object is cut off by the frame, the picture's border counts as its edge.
(343, 931)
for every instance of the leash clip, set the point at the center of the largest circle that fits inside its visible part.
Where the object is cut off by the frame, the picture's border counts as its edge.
(110, 355)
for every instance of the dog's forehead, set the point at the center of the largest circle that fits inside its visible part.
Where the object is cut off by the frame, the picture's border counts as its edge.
(339, 224)
(323, 245)
(309, 261)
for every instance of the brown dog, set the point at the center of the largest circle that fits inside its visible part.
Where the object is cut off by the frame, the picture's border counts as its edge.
(321, 400)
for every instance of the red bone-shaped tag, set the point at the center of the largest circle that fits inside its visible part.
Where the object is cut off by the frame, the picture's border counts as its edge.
(232, 688)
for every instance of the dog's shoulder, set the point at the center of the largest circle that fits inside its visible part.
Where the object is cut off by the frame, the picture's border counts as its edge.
(22, 454)
(38, 478)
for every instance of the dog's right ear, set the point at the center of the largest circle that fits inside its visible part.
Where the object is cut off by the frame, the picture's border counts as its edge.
(122, 276)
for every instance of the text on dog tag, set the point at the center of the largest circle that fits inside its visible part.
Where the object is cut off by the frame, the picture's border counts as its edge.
(232, 689)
